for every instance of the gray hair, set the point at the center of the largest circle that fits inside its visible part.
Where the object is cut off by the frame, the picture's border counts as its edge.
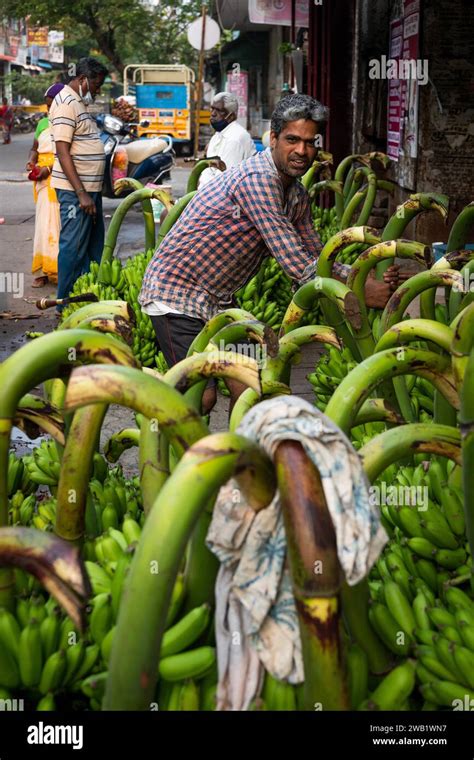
(294, 107)
(231, 104)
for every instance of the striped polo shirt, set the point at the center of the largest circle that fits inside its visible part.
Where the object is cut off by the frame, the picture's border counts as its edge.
(72, 123)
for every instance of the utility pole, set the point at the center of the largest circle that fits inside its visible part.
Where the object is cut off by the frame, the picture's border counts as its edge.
(199, 82)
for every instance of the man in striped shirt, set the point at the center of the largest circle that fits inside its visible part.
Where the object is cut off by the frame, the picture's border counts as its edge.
(78, 173)
(253, 210)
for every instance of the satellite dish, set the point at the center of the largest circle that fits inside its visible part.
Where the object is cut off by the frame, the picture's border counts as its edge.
(212, 33)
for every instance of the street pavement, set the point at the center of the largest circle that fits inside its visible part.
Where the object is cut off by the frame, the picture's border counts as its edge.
(19, 314)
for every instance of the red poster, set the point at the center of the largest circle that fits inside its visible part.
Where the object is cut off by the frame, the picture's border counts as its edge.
(394, 93)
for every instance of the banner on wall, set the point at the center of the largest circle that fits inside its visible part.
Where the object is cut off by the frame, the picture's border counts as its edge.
(278, 12)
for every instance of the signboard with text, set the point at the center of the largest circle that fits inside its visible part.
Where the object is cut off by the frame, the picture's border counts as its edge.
(38, 35)
(237, 83)
(278, 12)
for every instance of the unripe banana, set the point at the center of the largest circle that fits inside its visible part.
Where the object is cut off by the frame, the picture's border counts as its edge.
(10, 632)
(456, 599)
(109, 517)
(111, 549)
(447, 692)
(191, 664)
(23, 611)
(30, 654)
(387, 628)
(177, 598)
(395, 688)
(400, 607)
(189, 696)
(46, 703)
(450, 558)
(68, 635)
(74, 657)
(100, 581)
(90, 658)
(464, 660)
(420, 605)
(106, 645)
(101, 617)
(428, 657)
(131, 530)
(440, 617)
(185, 631)
(53, 672)
(94, 686)
(9, 673)
(50, 630)
(118, 582)
(119, 538)
(358, 671)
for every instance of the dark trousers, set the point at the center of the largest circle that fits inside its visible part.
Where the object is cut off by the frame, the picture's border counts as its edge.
(81, 239)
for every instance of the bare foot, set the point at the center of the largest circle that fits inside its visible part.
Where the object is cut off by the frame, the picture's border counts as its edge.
(40, 282)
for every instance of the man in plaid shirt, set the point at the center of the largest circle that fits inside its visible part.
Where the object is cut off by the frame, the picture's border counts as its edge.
(217, 245)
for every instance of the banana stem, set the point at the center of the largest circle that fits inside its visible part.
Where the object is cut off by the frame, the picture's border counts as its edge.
(215, 324)
(369, 197)
(214, 364)
(35, 414)
(48, 356)
(174, 215)
(154, 469)
(147, 209)
(406, 212)
(138, 196)
(462, 344)
(108, 308)
(414, 330)
(193, 179)
(141, 392)
(395, 444)
(203, 469)
(356, 387)
(408, 291)
(341, 240)
(453, 260)
(378, 410)
(458, 237)
(76, 470)
(351, 207)
(311, 538)
(467, 432)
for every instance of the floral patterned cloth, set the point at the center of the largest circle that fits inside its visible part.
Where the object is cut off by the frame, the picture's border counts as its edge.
(256, 622)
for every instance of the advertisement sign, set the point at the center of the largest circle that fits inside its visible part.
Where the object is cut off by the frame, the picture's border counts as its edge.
(394, 114)
(278, 12)
(38, 35)
(237, 83)
(402, 117)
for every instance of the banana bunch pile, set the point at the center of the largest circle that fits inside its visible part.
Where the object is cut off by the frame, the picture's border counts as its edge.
(182, 665)
(18, 476)
(330, 370)
(122, 283)
(43, 465)
(41, 652)
(324, 221)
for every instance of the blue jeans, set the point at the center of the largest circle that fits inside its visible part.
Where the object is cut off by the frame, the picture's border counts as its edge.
(81, 239)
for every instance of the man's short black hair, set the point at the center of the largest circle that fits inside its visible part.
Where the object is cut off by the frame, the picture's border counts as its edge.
(294, 107)
(91, 68)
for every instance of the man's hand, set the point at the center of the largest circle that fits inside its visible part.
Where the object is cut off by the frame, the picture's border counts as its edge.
(377, 293)
(87, 204)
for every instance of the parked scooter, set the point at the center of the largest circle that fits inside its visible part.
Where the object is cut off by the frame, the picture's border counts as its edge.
(148, 159)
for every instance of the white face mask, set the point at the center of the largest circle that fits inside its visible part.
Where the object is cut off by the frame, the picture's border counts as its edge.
(87, 98)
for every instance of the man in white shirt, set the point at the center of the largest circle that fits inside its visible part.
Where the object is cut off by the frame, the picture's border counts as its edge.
(231, 142)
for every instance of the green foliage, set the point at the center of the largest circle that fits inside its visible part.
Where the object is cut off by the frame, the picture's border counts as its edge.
(30, 87)
(124, 31)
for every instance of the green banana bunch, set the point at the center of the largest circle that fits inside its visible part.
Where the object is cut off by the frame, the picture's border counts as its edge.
(394, 690)
(330, 370)
(278, 695)
(43, 465)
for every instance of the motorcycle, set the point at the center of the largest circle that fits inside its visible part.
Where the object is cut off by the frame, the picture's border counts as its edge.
(147, 159)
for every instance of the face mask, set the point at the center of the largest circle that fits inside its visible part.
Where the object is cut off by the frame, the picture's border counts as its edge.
(87, 98)
(219, 125)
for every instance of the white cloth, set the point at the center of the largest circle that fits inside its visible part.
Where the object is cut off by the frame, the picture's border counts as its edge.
(158, 308)
(232, 145)
(256, 621)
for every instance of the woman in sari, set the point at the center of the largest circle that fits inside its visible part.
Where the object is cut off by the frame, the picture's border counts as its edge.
(6, 120)
(40, 166)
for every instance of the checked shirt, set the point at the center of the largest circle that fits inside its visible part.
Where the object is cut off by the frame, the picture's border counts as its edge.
(224, 233)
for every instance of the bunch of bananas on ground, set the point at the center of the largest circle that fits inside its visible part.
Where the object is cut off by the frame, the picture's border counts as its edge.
(42, 654)
(43, 465)
(324, 221)
(330, 370)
